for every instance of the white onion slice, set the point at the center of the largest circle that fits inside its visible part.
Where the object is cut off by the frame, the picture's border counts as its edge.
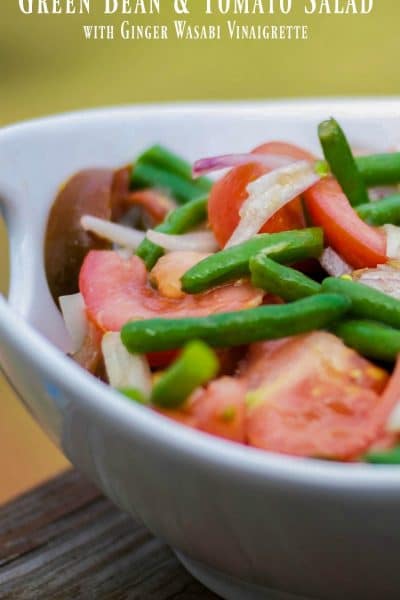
(385, 278)
(74, 312)
(125, 370)
(126, 237)
(198, 241)
(270, 193)
(334, 264)
(392, 241)
(393, 424)
(226, 161)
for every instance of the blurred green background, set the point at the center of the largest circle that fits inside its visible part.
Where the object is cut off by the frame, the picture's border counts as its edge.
(47, 66)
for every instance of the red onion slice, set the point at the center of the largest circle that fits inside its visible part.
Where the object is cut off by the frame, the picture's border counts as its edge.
(227, 161)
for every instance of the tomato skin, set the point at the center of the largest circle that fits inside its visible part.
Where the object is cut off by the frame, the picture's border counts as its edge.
(159, 360)
(229, 193)
(90, 356)
(328, 404)
(358, 244)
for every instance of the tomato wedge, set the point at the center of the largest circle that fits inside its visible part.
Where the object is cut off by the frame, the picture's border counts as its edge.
(116, 290)
(219, 409)
(357, 243)
(328, 404)
(229, 193)
(153, 202)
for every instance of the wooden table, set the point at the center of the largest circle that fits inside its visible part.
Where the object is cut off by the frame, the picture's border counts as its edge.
(64, 540)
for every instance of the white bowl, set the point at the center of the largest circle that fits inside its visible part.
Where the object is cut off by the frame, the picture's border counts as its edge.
(245, 522)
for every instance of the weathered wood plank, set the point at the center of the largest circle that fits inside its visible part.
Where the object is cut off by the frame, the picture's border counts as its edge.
(64, 540)
(35, 517)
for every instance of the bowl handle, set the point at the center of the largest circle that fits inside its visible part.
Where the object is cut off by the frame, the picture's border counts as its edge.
(8, 205)
(29, 294)
(22, 230)
(16, 220)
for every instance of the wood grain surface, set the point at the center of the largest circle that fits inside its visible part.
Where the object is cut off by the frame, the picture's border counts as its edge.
(65, 540)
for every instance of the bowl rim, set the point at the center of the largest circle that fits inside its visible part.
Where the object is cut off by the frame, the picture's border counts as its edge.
(308, 105)
(109, 405)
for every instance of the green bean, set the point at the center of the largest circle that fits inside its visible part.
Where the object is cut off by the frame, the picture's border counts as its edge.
(134, 394)
(367, 303)
(375, 169)
(146, 175)
(236, 328)
(168, 161)
(381, 212)
(233, 263)
(338, 153)
(379, 169)
(285, 282)
(180, 220)
(386, 457)
(373, 340)
(195, 366)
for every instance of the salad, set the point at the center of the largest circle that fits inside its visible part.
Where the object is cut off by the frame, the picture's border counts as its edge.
(262, 307)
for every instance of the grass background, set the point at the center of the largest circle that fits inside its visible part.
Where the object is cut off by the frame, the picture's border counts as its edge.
(46, 66)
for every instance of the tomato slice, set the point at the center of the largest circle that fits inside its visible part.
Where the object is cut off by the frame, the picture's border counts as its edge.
(219, 409)
(229, 193)
(180, 416)
(116, 290)
(153, 202)
(357, 243)
(160, 360)
(327, 404)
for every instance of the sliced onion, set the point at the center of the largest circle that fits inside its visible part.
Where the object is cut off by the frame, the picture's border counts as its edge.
(226, 161)
(392, 241)
(125, 370)
(378, 193)
(393, 424)
(385, 278)
(74, 313)
(126, 237)
(198, 241)
(334, 264)
(124, 253)
(391, 266)
(270, 193)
